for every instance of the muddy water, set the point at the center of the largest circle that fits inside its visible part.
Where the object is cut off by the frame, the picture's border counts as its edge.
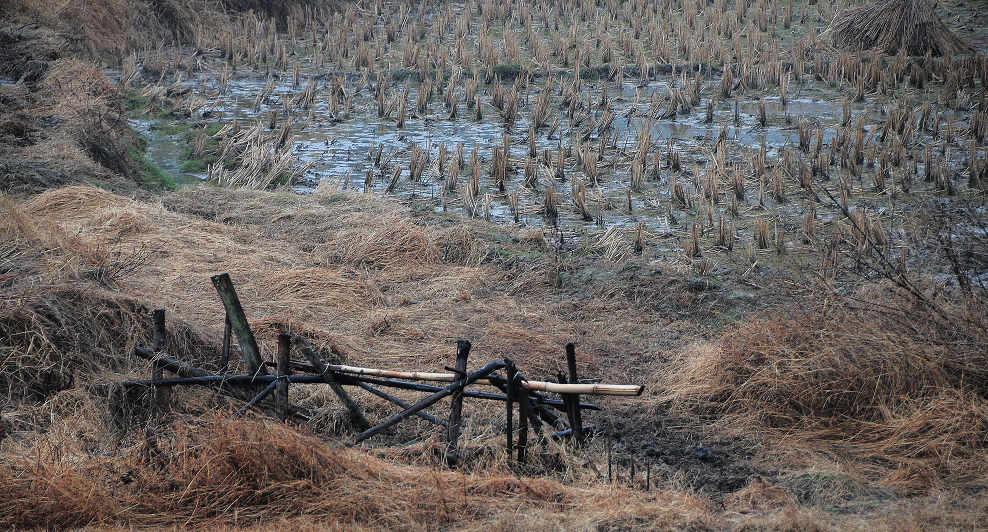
(340, 147)
(337, 148)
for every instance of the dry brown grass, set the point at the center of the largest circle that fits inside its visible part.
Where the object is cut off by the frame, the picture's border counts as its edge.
(295, 265)
(908, 393)
(228, 472)
(299, 260)
(111, 28)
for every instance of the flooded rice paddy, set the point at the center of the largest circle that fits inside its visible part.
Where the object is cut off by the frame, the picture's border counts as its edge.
(729, 156)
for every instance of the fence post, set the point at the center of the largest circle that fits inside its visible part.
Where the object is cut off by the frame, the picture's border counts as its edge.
(284, 370)
(509, 393)
(573, 400)
(161, 394)
(521, 395)
(239, 324)
(227, 333)
(456, 410)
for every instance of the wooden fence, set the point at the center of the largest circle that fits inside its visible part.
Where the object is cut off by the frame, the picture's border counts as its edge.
(534, 399)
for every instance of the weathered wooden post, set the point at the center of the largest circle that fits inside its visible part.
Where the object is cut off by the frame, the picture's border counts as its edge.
(456, 410)
(521, 395)
(161, 394)
(511, 371)
(610, 477)
(239, 324)
(284, 370)
(573, 401)
(227, 333)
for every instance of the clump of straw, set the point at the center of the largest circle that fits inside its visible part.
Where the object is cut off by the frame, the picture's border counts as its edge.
(890, 26)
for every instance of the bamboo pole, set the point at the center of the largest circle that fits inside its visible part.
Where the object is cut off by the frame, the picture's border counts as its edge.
(220, 380)
(410, 375)
(548, 416)
(428, 401)
(456, 409)
(175, 366)
(591, 389)
(239, 324)
(352, 380)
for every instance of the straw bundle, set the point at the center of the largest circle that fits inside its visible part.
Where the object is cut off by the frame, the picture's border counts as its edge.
(889, 26)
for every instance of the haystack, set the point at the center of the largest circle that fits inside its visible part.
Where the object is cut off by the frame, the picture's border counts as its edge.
(890, 26)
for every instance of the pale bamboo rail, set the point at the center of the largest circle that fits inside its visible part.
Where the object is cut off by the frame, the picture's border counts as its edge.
(539, 386)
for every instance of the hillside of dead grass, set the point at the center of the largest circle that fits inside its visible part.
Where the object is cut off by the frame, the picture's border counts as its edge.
(861, 419)
(82, 267)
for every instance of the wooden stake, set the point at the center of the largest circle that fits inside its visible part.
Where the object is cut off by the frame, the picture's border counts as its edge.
(521, 394)
(456, 410)
(227, 333)
(284, 370)
(573, 400)
(161, 395)
(509, 393)
(239, 324)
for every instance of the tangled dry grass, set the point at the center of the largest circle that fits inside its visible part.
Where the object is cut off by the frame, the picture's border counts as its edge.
(234, 472)
(71, 462)
(907, 392)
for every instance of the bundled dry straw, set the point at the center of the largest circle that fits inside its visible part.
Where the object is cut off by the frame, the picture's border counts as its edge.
(892, 25)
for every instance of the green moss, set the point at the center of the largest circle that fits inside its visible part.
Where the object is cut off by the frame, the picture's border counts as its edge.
(210, 151)
(135, 103)
(138, 105)
(150, 174)
(194, 166)
(171, 128)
